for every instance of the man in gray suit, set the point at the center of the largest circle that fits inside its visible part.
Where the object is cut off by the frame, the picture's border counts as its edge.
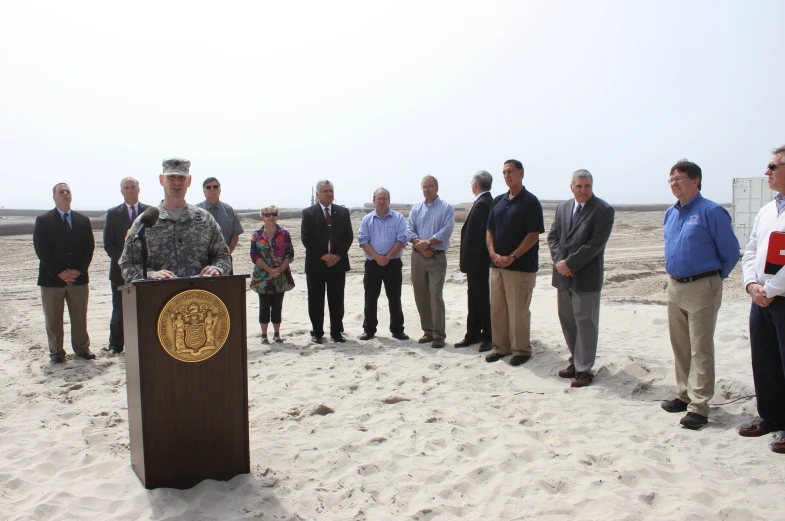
(577, 239)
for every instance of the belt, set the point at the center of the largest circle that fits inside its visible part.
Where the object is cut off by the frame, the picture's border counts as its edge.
(696, 277)
(435, 252)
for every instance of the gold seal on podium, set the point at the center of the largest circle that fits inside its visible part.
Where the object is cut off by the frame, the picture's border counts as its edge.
(193, 325)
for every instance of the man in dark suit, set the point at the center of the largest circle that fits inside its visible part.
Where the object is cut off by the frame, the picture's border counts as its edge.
(327, 235)
(64, 244)
(118, 220)
(475, 263)
(577, 239)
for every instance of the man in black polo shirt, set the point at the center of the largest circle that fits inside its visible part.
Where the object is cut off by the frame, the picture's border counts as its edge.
(514, 227)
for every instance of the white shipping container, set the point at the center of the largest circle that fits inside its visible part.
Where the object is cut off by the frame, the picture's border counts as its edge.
(750, 194)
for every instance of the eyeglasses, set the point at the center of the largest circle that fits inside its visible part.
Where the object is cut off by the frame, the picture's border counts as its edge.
(773, 166)
(271, 214)
(212, 187)
(676, 180)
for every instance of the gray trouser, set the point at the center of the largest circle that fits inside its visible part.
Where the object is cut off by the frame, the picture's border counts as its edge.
(579, 315)
(428, 282)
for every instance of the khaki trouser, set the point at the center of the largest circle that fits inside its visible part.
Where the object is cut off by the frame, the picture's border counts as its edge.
(511, 295)
(53, 301)
(692, 315)
(428, 283)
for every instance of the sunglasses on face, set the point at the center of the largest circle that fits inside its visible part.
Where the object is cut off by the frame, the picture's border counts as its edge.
(212, 187)
(272, 214)
(773, 166)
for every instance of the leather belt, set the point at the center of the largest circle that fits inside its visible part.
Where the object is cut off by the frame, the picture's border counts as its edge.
(696, 277)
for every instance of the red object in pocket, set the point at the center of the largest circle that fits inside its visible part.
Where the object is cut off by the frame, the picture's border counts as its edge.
(775, 256)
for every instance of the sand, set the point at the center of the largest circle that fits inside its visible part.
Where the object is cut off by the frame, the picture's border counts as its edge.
(414, 433)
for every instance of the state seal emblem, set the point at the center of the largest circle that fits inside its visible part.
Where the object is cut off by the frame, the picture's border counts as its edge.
(193, 325)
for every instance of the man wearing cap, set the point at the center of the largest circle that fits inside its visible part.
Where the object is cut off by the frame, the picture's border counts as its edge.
(118, 220)
(430, 226)
(701, 249)
(184, 242)
(64, 243)
(223, 214)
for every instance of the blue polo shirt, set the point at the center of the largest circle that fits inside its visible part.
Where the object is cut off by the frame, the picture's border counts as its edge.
(510, 221)
(699, 238)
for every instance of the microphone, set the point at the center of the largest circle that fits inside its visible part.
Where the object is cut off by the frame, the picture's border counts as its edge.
(149, 218)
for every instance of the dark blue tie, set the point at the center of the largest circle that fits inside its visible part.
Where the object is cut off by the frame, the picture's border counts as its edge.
(575, 216)
(65, 220)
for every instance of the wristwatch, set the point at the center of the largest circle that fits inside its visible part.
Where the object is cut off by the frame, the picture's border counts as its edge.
(513, 256)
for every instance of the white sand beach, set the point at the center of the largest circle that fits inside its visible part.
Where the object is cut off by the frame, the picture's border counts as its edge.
(389, 430)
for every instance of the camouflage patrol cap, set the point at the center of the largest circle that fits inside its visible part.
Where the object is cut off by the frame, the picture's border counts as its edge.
(177, 167)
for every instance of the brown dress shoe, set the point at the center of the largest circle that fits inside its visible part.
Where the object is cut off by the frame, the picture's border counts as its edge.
(567, 373)
(779, 446)
(425, 339)
(753, 431)
(582, 380)
(437, 343)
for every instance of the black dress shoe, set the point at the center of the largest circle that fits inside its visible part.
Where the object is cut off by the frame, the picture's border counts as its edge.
(494, 357)
(485, 346)
(367, 336)
(317, 339)
(114, 350)
(466, 342)
(519, 359)
(400, 336)
(56, 361)
(338, 338)
(674, 405)
(86, 355)
(694, 421)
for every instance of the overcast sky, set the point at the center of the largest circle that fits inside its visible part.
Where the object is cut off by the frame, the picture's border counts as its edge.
(272, 96)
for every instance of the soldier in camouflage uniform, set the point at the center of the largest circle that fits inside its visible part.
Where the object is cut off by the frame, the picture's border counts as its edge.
(184, 242)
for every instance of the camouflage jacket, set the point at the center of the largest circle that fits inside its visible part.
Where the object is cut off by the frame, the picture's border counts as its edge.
(183, 247)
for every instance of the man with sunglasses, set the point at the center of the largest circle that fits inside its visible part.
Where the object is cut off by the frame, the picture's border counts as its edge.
(701, 250)
(184, 242)
(223, 214)
(764, 280)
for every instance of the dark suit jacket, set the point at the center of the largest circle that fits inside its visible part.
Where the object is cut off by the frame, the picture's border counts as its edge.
(115, 229)
(58, 249)
(474, 249)
(583, 246)
(315, 237)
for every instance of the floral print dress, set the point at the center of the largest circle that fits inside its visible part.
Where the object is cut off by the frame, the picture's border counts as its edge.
(273, 251)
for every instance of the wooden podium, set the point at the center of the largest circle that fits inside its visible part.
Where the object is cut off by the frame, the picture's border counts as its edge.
(188, 421)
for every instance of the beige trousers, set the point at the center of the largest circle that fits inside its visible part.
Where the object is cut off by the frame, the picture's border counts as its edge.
(53, 301)
(511, 295)
(428, 283)
(692, 315)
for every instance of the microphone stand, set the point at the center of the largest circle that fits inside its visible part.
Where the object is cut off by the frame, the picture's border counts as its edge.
(143, 240)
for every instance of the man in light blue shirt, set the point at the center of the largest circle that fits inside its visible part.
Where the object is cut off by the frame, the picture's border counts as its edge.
(701, 249)
(430, 226)
(383, 237)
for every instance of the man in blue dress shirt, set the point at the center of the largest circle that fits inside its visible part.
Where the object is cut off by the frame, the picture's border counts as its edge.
(430, 226)
(383, 237)
(700, 250)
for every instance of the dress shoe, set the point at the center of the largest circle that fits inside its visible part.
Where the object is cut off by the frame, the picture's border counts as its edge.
(86, 355)
(400, 336)
(779, 446)
(113, 350)
(754, 430)
(567, 373)
(494, 357)
(466, 342)
(674, 405)
(56, 361)
(519, 359)
(437, 343)
(425, 339)
(367, 336)
(582, 380)
(338, 338)
(317, 339)
(694, 421)
(485, 346)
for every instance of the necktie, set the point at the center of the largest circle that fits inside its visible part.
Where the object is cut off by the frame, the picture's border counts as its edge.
(66, 221)
(575, 215)
(329, 230)
(133, 213)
